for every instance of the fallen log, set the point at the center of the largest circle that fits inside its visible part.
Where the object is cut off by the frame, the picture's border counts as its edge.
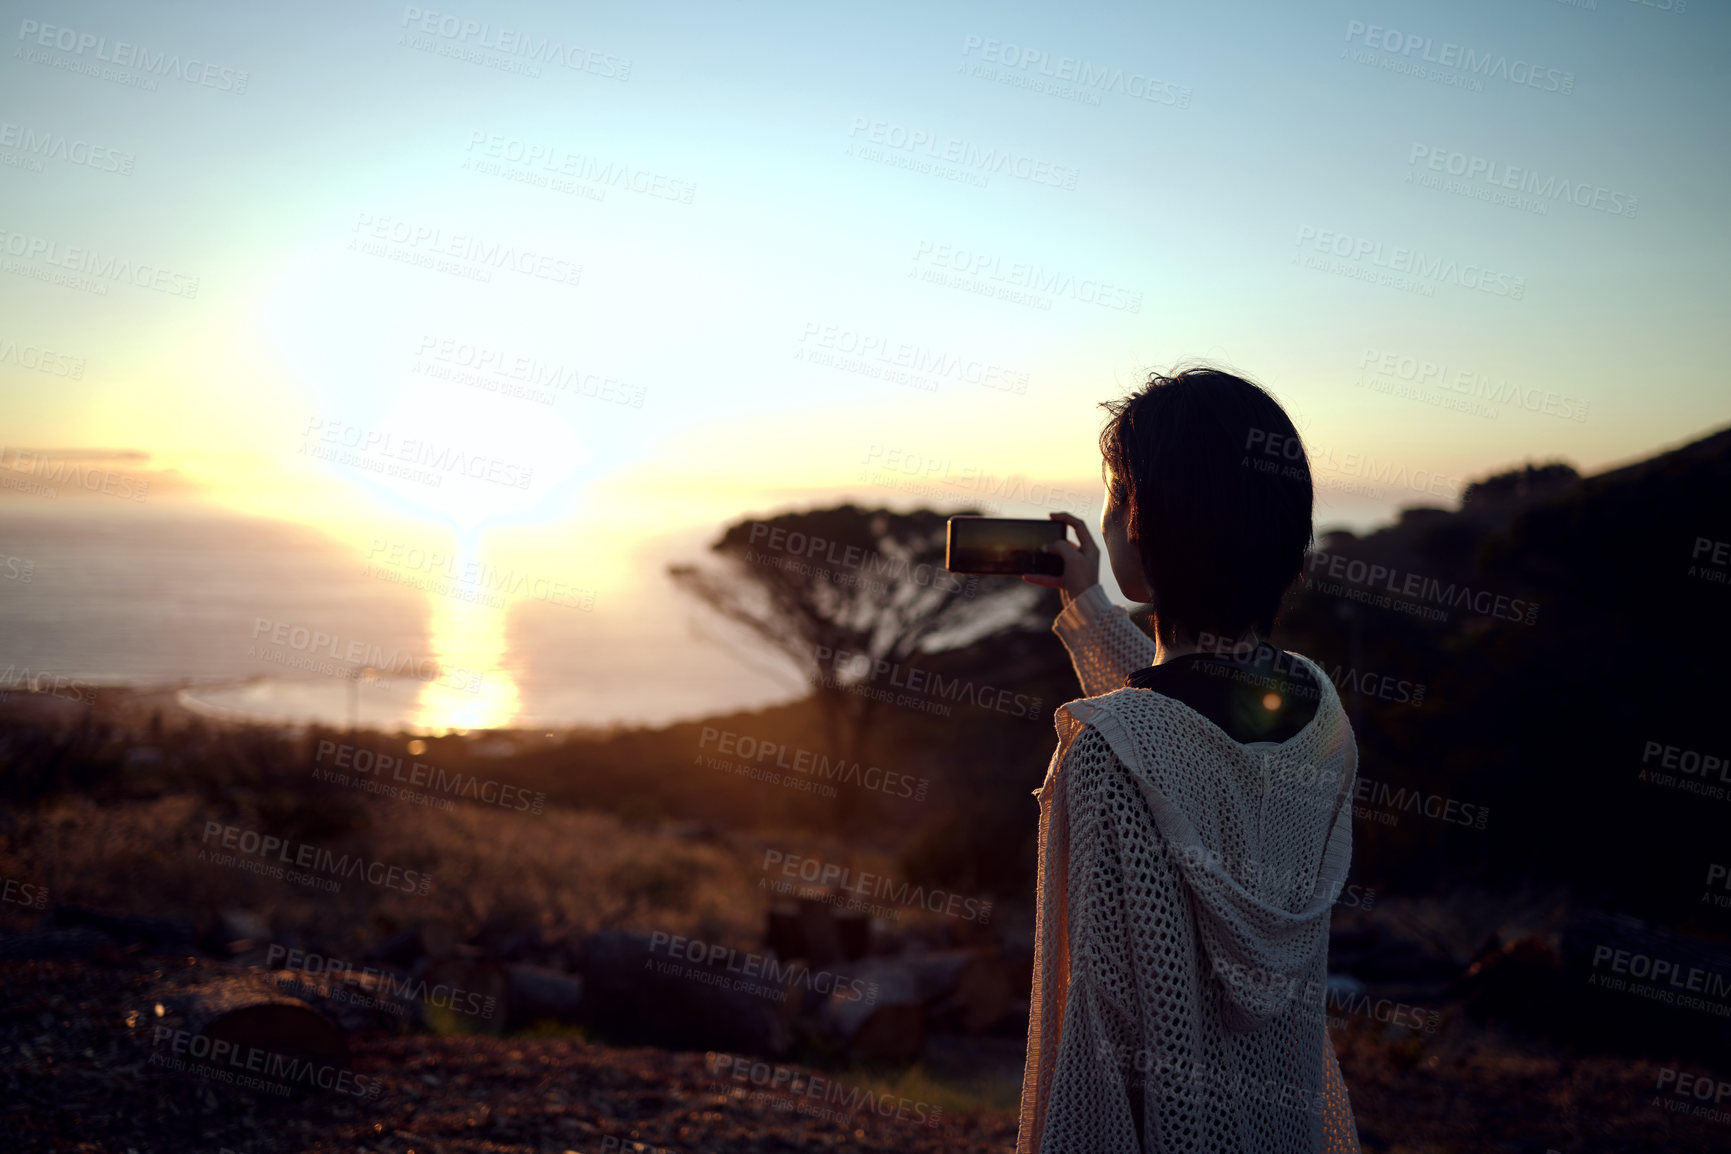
(874, 1012)
(783, 935)
(537, 994)
(853, 930)
(966, 990)
(813, 928)
(702, 997)
(818, 932)
(238, 1024)
(353, 999)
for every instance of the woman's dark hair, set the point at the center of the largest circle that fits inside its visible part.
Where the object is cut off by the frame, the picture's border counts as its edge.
(1215, 487)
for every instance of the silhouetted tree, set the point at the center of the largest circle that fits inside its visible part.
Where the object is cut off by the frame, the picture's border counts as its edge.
(846, 593)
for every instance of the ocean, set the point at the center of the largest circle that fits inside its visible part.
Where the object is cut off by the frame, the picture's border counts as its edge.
(273, 621)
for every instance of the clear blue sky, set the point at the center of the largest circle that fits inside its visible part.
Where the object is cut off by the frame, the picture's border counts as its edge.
(1276, 136)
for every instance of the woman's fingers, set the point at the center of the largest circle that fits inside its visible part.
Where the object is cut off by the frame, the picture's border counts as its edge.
(1065, 550)
(1081, 563)
(1088, 548)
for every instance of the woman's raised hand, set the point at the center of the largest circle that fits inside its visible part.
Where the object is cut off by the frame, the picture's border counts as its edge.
(1081, 565)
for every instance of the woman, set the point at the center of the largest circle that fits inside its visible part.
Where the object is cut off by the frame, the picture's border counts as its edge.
(1195, 821)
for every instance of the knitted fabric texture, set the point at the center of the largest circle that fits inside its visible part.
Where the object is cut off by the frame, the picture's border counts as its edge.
(1181, 939)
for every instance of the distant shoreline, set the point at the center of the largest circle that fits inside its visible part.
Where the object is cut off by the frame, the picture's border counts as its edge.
(133, 706)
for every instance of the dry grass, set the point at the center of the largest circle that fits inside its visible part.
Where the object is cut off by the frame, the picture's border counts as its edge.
(567, 873)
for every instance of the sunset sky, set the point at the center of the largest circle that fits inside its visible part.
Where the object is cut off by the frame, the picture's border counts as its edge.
(731, 228)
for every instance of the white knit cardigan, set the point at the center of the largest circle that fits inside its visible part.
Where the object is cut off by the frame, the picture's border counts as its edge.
(1181, 941)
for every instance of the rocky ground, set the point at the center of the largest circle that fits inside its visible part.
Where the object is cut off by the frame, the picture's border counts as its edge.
(76, 1064)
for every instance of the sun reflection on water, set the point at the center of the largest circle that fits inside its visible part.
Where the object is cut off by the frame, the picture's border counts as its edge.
(474, 691)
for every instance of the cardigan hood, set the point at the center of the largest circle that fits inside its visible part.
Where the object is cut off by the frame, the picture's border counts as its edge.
(1260, 834)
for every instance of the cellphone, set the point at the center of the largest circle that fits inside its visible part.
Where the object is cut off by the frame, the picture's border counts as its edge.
(1007, 545)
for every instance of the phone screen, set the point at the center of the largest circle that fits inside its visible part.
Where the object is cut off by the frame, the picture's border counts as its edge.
(1007, 545)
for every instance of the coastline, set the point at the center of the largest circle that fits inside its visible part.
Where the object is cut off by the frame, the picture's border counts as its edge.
(138, 710)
